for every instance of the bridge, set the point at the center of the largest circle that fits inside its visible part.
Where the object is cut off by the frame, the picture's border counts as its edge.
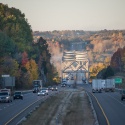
(75, 64)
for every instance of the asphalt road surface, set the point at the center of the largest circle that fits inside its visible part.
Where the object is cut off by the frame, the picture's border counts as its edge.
(111, 104)
(10, 110)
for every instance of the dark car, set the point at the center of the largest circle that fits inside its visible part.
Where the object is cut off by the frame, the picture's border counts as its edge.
(18, 95)
(49, 87)
(122, 94)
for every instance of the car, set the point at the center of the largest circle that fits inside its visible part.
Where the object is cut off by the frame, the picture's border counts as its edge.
(5, 97)
(49, 87)
(18, 95)
(42, 92)
(122, 94)
(46, 89)
(63, 85)
(36, 89)
(54, 88)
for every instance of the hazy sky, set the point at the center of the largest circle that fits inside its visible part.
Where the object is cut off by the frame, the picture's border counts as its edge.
(49, 15)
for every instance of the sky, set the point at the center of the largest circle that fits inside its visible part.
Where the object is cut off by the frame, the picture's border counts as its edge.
(88, 15)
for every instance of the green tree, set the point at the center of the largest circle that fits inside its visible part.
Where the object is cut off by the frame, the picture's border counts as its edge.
(14, 24)
(7, 46)
(9, 66)
(108, 72)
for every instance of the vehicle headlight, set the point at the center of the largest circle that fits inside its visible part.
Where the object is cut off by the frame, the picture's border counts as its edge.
(7, 97)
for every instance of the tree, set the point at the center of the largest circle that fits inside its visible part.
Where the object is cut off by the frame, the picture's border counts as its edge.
(107, 61)
(95, 69)
(9, 66)
(116, 61)
(14, 24)
(7, 46)
(108, 72)
(24, 58)
(32, 70)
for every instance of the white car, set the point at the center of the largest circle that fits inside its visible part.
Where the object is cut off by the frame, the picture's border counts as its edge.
(42, 92)
(45, 89)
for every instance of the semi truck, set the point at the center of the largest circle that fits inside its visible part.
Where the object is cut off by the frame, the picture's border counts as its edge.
(96, 85)
(109, 85)
(37, 85)
(103, 84)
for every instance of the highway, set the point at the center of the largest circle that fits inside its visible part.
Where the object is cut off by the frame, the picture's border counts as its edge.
(10, 110)
(110, 102)
(109, 108)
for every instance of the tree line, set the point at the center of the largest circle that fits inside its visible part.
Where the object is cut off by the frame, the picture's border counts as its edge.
(20, 56)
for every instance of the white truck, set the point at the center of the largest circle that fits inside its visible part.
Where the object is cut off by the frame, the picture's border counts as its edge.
(103, 84)
(5, 95)
(96, 85)
(110, 85)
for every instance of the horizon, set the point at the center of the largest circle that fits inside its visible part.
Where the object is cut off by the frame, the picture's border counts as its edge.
(82, 30)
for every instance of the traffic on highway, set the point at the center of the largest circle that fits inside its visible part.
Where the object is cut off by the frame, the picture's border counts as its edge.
(11, 112)
(108, 106)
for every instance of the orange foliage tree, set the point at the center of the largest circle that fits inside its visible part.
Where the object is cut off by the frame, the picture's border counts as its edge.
(32, 70)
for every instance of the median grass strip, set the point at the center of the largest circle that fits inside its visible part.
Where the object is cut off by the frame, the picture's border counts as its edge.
(78, 111)
(65, 108)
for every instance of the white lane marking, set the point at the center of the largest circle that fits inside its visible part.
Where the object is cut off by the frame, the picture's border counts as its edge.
(116, 100)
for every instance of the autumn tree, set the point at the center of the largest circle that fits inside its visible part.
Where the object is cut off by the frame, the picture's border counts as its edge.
(95, 69)
(32, 70)
(116, 61)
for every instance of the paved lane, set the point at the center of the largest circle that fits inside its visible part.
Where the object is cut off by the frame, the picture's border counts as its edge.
(112, 105)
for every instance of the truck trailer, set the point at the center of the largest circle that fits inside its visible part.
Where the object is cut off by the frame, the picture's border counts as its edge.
(109, 85)
(96, 85)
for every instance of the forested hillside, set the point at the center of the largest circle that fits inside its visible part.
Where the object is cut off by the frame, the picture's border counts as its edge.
(19, 55)
(31, 55)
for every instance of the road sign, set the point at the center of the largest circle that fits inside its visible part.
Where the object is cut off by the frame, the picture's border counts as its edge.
(118, 80)
(5, 75)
